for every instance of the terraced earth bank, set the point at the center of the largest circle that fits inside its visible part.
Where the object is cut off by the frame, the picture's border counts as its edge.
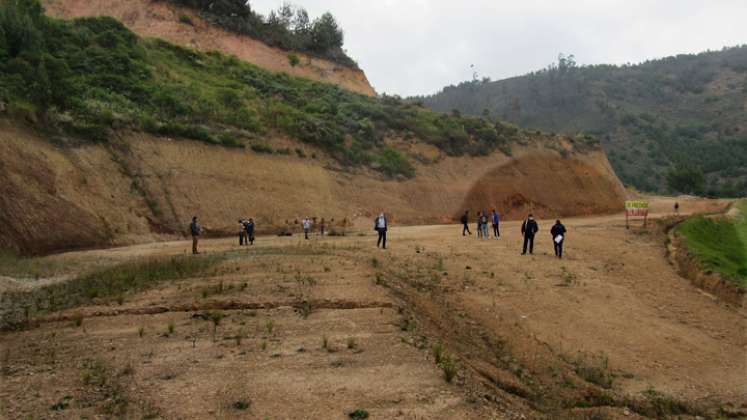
(335, 328)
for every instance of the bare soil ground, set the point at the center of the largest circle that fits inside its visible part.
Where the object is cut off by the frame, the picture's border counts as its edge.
(318, 329)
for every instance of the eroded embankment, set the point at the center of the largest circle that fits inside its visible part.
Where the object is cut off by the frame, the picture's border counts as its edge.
(691, 267)
(142, 189)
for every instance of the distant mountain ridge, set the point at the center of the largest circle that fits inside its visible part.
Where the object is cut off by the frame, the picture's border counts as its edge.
(675, 124)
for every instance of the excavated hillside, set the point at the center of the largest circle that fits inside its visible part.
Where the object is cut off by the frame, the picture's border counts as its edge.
(143, 188)
(119, 140)
(184, 26)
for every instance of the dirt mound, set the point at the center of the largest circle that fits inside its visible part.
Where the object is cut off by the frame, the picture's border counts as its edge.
(547, 186)
(163, 20)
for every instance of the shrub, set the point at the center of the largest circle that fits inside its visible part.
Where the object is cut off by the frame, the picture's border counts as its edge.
(185, 19)
(261, 148)
(293, 59)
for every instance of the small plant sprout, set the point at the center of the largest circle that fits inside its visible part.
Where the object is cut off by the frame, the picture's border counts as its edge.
(438, 352)
(449, 367)
(269, 326)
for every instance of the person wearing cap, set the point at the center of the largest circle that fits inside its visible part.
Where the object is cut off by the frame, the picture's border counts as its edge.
(558, 236)
(528, 229)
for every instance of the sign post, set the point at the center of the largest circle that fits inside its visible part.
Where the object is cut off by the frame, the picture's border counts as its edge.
(636, 209)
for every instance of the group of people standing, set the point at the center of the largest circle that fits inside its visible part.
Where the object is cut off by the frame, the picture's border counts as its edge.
(529, 229)
(246, 232)
(482, 224)
(308, 224)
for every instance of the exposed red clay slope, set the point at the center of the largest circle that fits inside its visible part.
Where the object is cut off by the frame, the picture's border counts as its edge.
(147, 188)
(158, 19)
(548, 187)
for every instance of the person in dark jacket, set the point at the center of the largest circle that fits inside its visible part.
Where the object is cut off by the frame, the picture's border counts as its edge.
(381, 225)
(528, 229)
(322, 225)
(495, 219)
(479, 224)
(558, 236)
(195, 229)
(250, 231)
(465, 223)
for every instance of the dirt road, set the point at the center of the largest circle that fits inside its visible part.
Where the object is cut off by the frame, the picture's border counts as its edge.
(334, 325)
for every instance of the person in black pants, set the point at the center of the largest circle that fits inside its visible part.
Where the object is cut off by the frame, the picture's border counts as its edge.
(465, 223)
(250, 232)
(381, 225)
(529, 228)
(242, 231)
(558, 237)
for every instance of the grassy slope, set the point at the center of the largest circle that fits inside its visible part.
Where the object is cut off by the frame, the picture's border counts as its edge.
(686, 109)
(92, 77)
(720, 243)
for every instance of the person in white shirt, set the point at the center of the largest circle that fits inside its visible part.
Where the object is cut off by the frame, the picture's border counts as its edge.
(381, 225)
(306, 227)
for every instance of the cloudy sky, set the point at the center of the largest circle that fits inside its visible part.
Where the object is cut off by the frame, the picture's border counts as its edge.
(411, 47)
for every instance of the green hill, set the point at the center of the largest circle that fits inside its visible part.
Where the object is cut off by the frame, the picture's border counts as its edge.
(671, 125)
(88, 79)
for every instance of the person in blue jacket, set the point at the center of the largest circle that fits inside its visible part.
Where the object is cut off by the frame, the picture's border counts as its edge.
(495, 219)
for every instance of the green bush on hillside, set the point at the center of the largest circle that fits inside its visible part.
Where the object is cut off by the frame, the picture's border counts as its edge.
(91, 77)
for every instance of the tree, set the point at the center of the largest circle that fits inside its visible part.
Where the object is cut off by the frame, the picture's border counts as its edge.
(326, 33)
(686, 179)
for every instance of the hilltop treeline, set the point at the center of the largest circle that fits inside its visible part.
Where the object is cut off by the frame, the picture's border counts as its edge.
(670, 125)
(91, 78)
(288, 27)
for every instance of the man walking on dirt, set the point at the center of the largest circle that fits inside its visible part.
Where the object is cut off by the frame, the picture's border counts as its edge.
(558, 236)
(528, 229)
(195, 229)
(495, 219)
(381, 225)
(465, 223)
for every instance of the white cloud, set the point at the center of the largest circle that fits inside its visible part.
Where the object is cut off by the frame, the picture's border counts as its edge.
(413, 47)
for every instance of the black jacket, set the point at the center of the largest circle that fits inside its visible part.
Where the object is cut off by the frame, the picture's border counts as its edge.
(557, 229)
(529, 227)
(464, 219)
